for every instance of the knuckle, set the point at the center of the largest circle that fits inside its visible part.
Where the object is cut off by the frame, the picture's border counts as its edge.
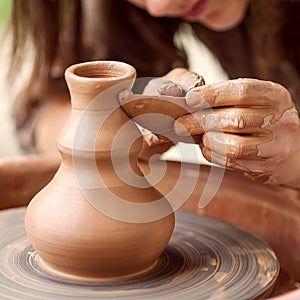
(237, 149)
(232, 120)
(243, 89)
(170, 88)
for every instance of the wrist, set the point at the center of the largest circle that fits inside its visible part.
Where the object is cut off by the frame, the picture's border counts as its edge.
(287, 173)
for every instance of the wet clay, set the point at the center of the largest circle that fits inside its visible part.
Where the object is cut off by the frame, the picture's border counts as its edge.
(248, 125)
(96, 218)
(163, 101)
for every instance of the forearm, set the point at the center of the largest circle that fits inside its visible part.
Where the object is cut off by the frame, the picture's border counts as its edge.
(22, 177)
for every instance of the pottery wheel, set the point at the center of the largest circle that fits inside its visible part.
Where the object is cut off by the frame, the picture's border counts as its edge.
(205, 259)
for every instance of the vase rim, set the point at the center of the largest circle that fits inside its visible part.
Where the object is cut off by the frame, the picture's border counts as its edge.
(101, 70)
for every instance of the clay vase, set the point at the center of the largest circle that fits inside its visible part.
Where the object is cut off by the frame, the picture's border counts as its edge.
(99, 218)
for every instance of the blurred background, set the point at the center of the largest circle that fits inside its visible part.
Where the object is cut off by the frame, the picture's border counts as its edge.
(202, 62)
(8, 143)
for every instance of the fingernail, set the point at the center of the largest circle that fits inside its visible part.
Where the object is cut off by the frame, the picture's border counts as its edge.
(180, 129)
(194, 99)
(124, 95)
(170, 88)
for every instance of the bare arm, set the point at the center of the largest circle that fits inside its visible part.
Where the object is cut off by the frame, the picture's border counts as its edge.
(22, 177)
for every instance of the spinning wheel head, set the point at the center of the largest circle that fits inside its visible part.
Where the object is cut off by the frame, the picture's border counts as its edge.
(205, 259)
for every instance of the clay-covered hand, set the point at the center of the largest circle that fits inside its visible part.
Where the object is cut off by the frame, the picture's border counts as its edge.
(22, 177)
(158, 107)
(249, 125)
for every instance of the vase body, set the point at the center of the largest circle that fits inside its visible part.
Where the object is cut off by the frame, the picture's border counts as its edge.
(98, 217)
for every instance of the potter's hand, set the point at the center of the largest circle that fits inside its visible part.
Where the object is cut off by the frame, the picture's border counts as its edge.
(249, 125)
(157, 108)
(22, 177)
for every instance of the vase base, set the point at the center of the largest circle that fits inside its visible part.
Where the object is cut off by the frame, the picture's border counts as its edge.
(71, 277)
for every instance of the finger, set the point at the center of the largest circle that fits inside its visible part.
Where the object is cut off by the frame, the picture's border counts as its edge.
(152, 145)
(162, 95)
(223, 160)
(155, 113)
(136, 105)
(151, 139)
(234, 147)
(253, 169)
(185, 77)
(161, 86)
(239, 92)
(234, 120)
(175, 83)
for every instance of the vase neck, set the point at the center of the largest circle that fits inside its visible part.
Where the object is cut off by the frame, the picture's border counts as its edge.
(98, 80)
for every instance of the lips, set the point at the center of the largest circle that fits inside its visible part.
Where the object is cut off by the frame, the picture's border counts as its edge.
(195, 11)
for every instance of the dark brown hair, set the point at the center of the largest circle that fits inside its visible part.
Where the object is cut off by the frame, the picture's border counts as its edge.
(64, 32)
(266, 45)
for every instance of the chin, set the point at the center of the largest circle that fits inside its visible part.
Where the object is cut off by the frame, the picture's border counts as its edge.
(222, 24)
(221, 27)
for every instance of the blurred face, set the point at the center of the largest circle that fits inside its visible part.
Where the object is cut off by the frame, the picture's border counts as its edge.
(218, 15)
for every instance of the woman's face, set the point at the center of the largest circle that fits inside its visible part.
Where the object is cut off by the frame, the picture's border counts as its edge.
(215, 14)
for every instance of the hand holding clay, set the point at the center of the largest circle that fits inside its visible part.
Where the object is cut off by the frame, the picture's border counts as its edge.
(249, 125)
(161, 103)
